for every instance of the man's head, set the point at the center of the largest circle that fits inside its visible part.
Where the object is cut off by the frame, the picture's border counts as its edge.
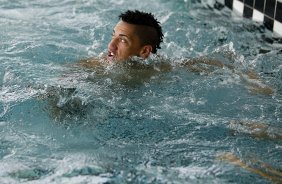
(136, 34)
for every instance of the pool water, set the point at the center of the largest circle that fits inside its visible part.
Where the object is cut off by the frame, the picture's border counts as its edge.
(61, 123)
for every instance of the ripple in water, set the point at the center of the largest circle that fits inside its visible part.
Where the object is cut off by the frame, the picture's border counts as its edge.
(61, 123)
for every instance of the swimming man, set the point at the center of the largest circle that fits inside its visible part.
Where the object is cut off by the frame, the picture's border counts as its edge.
(136, 34)
(139, 34)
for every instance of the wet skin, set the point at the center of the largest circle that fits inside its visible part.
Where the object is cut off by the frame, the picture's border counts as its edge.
(125, 43)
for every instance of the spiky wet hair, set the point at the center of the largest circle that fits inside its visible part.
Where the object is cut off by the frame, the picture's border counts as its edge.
(149, 31)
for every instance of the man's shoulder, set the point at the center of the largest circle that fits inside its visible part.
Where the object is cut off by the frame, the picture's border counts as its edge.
(90, 62)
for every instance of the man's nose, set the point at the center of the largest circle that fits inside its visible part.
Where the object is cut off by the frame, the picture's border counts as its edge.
(113, 44)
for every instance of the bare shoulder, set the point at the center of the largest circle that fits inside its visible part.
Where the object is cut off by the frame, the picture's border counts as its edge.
(90, 62)
(207, 61)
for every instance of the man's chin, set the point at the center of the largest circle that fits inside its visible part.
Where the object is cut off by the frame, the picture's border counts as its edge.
(115, 60)
(111, 59)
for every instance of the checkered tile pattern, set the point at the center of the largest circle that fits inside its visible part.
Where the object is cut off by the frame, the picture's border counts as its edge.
(268, 12)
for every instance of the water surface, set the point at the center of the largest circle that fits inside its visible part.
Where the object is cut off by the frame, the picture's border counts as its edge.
(61, 123)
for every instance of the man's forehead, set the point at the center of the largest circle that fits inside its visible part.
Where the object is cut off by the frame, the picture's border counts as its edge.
(128, 30)
(125, 27)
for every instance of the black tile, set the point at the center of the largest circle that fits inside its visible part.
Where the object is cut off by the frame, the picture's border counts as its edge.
(259, 5)
(249, 2)
(218, 6)
(241, 0)
(269, 8)
(248, 12)
(228, 3)
(268, 23)
(279, 12)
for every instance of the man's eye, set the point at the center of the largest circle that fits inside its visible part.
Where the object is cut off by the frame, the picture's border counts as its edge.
(123, 40)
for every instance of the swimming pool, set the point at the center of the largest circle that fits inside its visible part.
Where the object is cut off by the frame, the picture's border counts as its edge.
(119, 126)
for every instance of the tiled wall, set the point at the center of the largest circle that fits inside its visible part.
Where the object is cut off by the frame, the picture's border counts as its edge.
(268, 12)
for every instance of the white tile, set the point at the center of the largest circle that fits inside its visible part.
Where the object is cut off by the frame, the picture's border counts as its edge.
(257, 16)
(238, 7)
(277, 28)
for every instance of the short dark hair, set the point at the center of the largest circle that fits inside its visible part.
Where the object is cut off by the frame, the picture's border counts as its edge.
(149, 32)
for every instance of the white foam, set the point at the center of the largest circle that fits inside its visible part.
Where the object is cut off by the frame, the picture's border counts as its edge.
(3, 123)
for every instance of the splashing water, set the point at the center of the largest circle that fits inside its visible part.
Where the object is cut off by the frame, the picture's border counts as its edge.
(61, 123)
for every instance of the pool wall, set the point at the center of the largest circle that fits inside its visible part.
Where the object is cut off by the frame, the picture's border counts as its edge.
(267, 12)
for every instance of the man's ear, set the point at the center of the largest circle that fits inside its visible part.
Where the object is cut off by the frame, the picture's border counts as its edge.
(146, 51)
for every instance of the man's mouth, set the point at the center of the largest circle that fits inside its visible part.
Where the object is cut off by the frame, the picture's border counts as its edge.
(111, 56)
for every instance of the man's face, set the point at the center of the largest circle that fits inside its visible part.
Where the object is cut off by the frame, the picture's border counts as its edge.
(124, 44)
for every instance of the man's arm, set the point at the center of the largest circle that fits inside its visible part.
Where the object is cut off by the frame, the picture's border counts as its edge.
(206, 65)
(255, 84)
(256, 129)
(264, 170)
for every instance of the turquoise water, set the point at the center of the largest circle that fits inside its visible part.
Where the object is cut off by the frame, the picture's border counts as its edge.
(60, 123)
